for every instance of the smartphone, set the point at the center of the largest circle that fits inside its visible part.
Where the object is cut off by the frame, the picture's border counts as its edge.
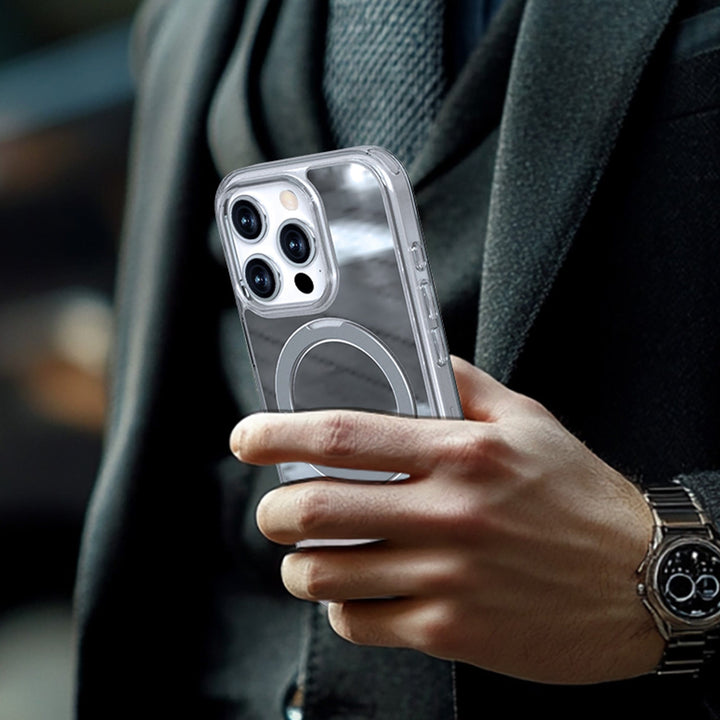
(334, 291)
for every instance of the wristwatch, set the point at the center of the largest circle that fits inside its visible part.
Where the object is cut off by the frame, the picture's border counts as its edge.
(679, 579)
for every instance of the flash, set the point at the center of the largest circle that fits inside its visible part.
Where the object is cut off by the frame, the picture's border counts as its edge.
(289, 200)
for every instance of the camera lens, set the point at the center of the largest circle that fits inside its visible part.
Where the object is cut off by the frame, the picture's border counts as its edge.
(246, 219)
(295, 243)
(260, 278)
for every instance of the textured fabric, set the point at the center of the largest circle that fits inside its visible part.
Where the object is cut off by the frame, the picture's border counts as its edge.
(536, 206)
(384, 77)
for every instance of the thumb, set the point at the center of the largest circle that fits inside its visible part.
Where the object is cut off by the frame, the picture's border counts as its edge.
(482, 397)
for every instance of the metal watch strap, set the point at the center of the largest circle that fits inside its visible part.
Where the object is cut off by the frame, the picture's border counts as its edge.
(677, 513)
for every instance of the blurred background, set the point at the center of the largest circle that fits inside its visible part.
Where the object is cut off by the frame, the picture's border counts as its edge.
(65, 107)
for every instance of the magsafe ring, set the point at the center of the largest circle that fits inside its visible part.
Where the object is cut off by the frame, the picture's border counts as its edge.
(337, 330)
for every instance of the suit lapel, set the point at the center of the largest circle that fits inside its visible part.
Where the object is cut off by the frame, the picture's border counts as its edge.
(269, 103)
(575, 69)
(236, 130)
(291, 80)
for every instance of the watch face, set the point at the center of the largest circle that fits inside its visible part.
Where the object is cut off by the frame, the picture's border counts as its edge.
(688, 580)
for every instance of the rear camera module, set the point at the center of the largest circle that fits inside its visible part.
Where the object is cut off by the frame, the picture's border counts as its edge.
(295, 244)
(260, 278)
(246, 219)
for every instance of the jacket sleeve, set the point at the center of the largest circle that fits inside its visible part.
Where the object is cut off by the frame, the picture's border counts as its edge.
(142, 583)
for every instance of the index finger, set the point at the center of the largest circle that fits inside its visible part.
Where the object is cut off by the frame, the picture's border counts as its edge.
(348, 439)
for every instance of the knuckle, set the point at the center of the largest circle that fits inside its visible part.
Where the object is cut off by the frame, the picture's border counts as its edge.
(472, 447)
(465, 519)
(447, 579)
(437, 630)
(342, 623)
(459, 448)
(312, 507)
(339, 436)
(529, 406)
(315, 581)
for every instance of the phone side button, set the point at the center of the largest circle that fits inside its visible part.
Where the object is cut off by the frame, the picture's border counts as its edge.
(428, 305)
(438, 342)
(418, 256)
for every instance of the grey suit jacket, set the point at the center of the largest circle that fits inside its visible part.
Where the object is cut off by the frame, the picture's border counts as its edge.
(569, 195)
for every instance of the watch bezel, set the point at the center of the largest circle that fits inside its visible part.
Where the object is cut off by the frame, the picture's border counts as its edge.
(655, 596)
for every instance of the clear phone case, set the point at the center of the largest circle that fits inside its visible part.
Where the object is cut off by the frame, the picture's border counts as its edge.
(328, 266)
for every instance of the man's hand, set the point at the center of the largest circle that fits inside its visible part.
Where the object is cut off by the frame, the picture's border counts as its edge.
(511, 546)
